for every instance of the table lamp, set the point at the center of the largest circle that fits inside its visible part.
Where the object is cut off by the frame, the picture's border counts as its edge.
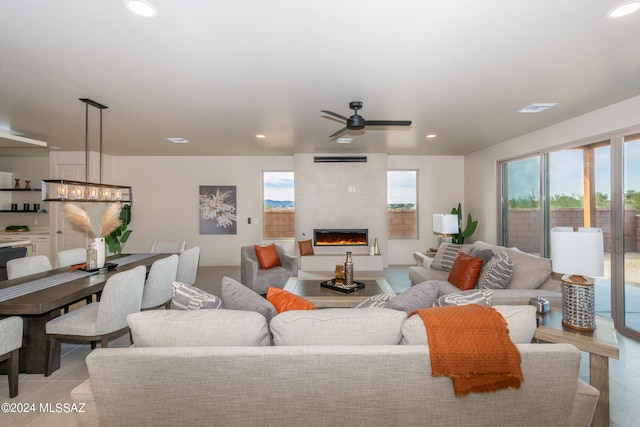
(577, 252)
(444, 225)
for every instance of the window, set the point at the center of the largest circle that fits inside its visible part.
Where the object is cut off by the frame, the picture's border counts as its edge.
(402, 215)
(278, 205)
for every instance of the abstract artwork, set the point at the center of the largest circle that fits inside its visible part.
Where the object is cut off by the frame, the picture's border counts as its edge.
(218, 209)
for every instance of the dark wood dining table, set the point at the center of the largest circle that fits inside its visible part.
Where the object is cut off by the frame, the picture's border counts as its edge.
(40, 306)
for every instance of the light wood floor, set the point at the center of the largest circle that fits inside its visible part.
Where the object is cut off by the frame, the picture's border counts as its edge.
(624, 373)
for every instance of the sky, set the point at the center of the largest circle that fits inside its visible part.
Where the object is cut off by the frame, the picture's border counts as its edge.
(565, 172)
(278, 186)
(401, 187)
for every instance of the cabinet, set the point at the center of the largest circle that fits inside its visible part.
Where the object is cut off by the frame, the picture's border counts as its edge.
(40, 243)
(32, 196)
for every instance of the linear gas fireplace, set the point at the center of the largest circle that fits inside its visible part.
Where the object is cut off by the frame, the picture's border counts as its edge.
(341, 237)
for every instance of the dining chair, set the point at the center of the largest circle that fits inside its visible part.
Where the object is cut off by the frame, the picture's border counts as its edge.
(71, 257)
(10, 343)
(99, 321)
(166, 247)
(7, 254)
(188, 266)
(21, 267)
(157, 288)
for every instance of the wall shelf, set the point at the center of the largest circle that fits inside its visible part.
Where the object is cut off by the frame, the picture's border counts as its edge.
(23, 190)
(23, 211)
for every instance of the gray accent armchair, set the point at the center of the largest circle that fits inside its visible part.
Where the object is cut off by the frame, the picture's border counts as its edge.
(259, 280)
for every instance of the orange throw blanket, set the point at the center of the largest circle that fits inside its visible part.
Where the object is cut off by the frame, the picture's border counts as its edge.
(471, 345)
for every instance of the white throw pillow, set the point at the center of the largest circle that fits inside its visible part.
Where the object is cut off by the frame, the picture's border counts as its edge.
(338, 326)
(198, 328)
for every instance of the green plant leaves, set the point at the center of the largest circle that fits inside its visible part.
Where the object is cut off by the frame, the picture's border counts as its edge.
(118, 237)
(468, 230)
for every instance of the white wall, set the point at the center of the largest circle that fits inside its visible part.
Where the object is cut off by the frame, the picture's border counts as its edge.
(165, 198)
(440, 188)
(481, 193)
(165, 195)
(165, 201)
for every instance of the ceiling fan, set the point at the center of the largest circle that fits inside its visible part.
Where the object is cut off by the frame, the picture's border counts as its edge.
(357, 122)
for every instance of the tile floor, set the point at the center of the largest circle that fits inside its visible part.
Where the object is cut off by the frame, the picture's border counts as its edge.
(624, 373)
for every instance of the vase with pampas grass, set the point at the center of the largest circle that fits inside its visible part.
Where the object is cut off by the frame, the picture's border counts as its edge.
(79, 218)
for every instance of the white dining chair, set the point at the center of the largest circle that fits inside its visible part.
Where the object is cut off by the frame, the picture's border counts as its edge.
(99, 321)
(71, 257)
(20, 267)
(157, 288)
(188, 266)
(10, 343)
(166, 247)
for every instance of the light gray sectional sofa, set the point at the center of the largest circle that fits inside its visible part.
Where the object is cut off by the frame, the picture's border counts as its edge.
(332, 367)
(532, 276)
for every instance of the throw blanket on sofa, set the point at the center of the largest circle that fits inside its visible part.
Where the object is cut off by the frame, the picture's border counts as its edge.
(471, 345)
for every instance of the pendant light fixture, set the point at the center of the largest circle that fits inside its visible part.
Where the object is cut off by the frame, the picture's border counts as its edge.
(60, 190)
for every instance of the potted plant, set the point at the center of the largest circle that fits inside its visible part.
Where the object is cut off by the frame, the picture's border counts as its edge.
(468, 230)
(119, 236)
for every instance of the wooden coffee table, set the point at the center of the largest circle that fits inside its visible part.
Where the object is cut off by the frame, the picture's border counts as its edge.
(310, 289)
(601, 344)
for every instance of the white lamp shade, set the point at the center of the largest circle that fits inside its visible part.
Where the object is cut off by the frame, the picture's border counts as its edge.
(578, 252)
(445, 223)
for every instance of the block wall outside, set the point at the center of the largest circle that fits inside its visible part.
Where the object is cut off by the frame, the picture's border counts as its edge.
(279, 223)
(402, 223)
(525, 226)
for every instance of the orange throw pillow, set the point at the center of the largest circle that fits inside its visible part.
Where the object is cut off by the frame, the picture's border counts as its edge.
(306, 247)
(284, 300)
(267, 256)
(465, 271)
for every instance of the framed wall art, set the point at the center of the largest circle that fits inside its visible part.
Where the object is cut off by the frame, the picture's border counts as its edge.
(218, 209)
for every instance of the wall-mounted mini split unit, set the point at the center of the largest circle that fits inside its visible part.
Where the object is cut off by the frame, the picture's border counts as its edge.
(340, 159)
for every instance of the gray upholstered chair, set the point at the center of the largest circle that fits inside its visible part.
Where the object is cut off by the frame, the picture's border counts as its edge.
(7, 254)
(71, 257)
(21, 267)
(99, 321)
(188, 266)
(10, 343)
(157, 288)
(164, 247)
(252, 276)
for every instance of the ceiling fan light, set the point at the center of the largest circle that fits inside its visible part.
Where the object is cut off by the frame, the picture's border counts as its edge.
(142, 8)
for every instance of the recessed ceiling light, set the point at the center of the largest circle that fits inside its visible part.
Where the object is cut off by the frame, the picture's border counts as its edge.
(142, 8)
(431, 135)
(624, 9)
(261, 136)
(537, 107)
(177, 140)
(345, 140)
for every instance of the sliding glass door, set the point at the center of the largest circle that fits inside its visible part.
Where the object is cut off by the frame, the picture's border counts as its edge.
(521, 208)
(580, 196)
(594, 184)
(630, 277)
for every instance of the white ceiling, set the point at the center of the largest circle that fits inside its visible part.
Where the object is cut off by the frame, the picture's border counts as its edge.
(218, 73)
